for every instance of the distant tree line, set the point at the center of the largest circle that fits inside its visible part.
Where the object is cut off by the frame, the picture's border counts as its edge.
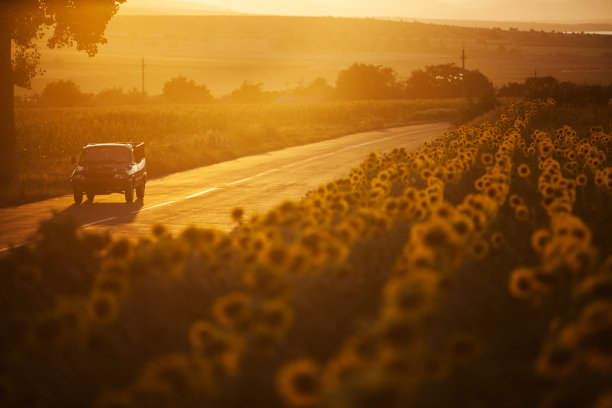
(357, 82)
(567, 93)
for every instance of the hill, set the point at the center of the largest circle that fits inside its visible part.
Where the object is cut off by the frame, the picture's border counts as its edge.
(224, 51)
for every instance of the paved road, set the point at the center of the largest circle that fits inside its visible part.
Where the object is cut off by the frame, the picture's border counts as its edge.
(204, 196)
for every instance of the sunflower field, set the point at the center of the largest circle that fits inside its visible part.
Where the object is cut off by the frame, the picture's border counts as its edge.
(475, 271)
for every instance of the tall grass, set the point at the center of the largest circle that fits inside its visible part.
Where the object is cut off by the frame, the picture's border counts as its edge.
(474, 271)
(181, 137)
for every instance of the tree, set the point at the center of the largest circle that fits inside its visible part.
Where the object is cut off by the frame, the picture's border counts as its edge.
(22, 23)
(181, 89)
(63, 93)
(250, 93)
(447, 81)
(364, 81)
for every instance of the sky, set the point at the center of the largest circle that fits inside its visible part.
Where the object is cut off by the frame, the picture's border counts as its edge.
(596, 11)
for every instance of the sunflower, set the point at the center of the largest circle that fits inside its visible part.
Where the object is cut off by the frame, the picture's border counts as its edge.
(112, 284)
(479, 249)
(299, 383)
(597, 314)
(556, 361)
(436, 235)
(265, 280)
(521, 213)
(237, 214)
(202, 333)
(411, 295)
(540, 239)
(158, 230)
(516, 200)
(523, 170)
(399, 332)
(486, 159)
(462, 226)
(339, 369)
(419, 257)
(174, 372)
(497, 239)
(103, 307)
(523, 282)
(276, 316)
(276, 256)
(233, 310)
(120, 248)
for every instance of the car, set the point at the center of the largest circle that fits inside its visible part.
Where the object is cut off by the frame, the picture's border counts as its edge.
(106, 168)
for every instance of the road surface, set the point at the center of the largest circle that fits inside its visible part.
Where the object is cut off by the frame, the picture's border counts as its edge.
(204, 196)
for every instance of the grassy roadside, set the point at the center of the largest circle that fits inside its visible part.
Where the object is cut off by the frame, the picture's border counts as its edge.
(181, 137)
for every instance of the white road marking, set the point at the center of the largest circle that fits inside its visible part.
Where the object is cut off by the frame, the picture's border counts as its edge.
(239, 181)
(252, 177)
(264, 173)
(202, 192)
(344, 149)
(155, 206)
(293, 164)
(3, 250)
(98, 222)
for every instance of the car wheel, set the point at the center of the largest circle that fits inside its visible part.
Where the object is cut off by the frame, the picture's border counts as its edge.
(129, 194)
(90, 196)
(78, 196)
(140, 190)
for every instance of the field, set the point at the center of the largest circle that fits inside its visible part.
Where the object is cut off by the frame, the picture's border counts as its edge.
(475, 271)
(282, 52)
(181, 137)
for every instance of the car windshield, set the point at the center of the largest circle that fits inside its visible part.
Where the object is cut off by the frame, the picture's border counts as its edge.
(120, 154)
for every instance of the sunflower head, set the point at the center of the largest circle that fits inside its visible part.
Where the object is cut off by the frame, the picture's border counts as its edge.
(298, 383)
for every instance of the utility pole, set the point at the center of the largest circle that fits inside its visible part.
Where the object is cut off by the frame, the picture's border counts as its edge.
(463, 58)
(143, 78)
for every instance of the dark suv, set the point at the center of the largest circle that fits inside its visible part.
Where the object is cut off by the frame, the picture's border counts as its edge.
(110, 168)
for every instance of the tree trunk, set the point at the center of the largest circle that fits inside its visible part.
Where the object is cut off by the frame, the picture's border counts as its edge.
(7, 108)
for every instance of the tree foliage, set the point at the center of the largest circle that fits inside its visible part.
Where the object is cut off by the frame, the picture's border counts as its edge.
(184, 90)
(71, 23)
(63, 93)
(117, 96)
(562, 92)
(365, 81)
(250, 93)
(447, 81)
(318, 87)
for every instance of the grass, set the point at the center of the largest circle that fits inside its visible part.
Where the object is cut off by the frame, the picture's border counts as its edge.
(181, 137)
(474, 271)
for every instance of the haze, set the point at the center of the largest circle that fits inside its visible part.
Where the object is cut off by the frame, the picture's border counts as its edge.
(599, 11)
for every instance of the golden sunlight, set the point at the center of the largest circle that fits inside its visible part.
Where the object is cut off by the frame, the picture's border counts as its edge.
(305, 203)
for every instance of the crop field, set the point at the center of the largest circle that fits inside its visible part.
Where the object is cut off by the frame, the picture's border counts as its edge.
(180, 137)
(475, 271)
